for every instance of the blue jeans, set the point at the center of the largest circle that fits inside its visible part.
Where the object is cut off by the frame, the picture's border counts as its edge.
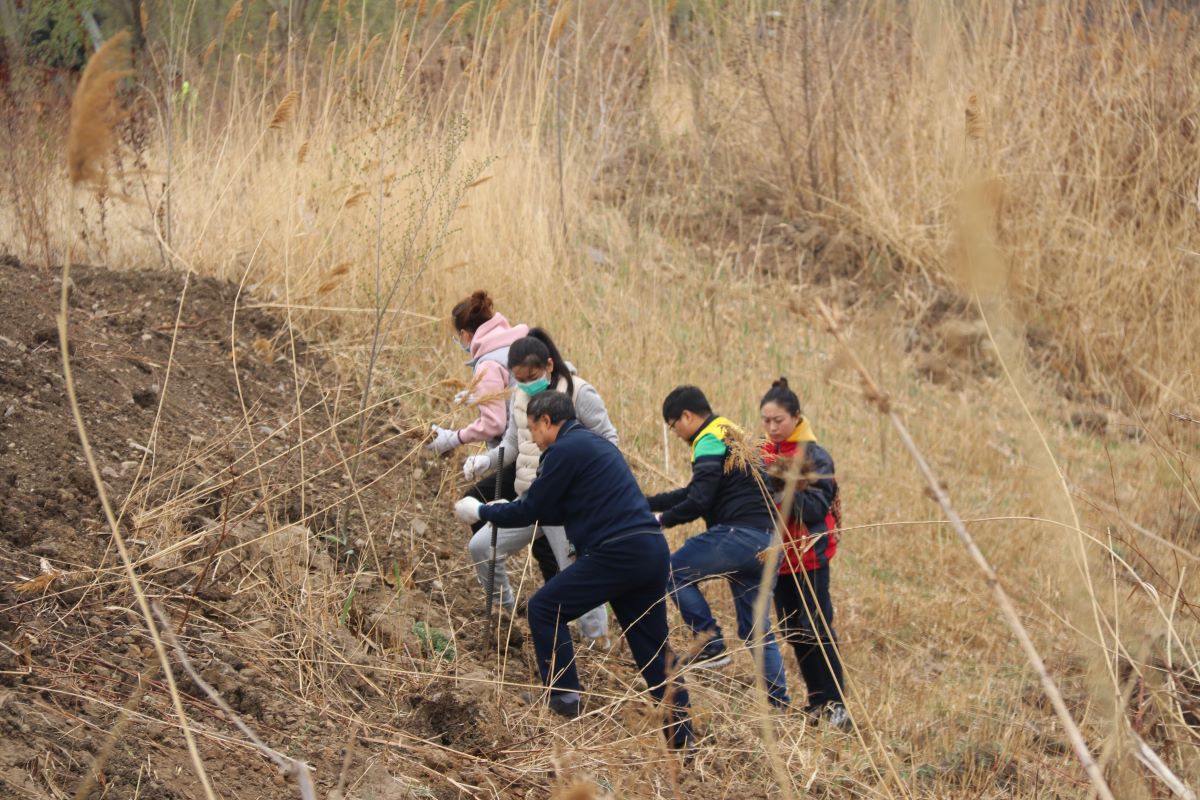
(731, 552)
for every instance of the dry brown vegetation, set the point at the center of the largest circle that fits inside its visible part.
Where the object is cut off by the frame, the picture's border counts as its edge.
(1000, 200)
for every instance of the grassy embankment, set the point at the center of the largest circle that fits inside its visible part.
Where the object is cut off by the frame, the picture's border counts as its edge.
(669, 196)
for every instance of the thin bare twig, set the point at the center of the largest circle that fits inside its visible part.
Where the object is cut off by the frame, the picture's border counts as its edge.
(290, 767)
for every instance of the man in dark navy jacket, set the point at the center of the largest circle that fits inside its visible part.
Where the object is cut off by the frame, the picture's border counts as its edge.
(584, 484)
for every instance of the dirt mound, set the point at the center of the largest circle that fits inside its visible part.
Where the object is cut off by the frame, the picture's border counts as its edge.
(122, 336)
(297, 577)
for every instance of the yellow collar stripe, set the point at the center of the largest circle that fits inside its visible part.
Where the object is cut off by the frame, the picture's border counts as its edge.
(717, 430)
(803, 432)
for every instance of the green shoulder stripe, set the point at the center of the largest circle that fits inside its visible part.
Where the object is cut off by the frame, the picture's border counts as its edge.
(709, 445)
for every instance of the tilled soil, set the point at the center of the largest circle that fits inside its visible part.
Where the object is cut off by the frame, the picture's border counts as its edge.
(296, 577)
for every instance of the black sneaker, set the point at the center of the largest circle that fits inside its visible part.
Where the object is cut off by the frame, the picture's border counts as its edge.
(564, 708)
(711, 656)
(682, 738)
(558, 704)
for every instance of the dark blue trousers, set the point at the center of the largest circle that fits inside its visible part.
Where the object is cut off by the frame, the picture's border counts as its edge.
(630, 573)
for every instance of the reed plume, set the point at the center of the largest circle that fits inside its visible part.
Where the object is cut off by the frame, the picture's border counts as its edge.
(95, 112)
(558, 23)
(355, 198)
(235, 11)
(974, 119)
(283, 111)
(459, 15)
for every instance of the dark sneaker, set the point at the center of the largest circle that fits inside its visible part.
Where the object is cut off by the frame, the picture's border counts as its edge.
(564, 707)
(838, 716)
(711, 656)
(682, 738)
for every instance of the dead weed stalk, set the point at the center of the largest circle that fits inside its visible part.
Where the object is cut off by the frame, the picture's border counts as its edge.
(874, 394)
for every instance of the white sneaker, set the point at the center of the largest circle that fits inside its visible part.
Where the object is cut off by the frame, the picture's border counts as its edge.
(839, 717)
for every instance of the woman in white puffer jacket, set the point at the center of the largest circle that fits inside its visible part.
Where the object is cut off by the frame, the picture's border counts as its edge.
(536, 366)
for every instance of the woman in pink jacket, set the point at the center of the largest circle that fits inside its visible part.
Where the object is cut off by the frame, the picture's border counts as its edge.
(485, 336)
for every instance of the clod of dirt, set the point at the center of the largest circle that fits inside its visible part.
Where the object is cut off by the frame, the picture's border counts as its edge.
(146, 398)
(46, 336)
(449, 719)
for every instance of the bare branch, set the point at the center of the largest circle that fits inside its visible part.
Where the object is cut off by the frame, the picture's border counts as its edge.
(290, 767)
(880, 400)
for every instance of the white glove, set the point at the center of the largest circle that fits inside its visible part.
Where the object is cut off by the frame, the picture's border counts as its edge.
(467, 510)
(476, 467)
(444, 441)
(461, 397)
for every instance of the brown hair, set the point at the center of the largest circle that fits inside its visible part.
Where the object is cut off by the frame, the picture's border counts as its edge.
(472, 312)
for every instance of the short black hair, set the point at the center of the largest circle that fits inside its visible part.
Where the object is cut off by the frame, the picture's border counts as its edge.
(555, 405)
(685, 398)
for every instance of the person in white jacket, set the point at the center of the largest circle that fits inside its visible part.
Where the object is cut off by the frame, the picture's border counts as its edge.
(536, 365)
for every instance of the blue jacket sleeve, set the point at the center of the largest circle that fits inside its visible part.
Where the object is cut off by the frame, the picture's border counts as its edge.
(542, 501)
(693, 502)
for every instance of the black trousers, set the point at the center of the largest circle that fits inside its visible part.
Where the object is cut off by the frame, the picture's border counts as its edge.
(630, 573)
(805, 613)
(485, 491)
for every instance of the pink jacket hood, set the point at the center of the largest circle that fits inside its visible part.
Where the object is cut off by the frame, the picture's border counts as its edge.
(495, 334)
(489, 360)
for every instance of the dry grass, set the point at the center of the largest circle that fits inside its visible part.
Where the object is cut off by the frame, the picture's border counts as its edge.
(667, 196)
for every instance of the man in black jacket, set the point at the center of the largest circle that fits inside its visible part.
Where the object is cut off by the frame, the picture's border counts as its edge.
(584, 484)
(740, 525)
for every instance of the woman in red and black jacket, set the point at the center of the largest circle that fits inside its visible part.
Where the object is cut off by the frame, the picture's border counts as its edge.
(802, 601)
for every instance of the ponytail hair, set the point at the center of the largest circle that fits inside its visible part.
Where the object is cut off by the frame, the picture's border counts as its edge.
(472, 312)
(535, 350)
(781, 395)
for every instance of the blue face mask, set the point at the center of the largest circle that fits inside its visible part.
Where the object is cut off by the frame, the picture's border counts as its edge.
(535, 387)
(466, 348)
